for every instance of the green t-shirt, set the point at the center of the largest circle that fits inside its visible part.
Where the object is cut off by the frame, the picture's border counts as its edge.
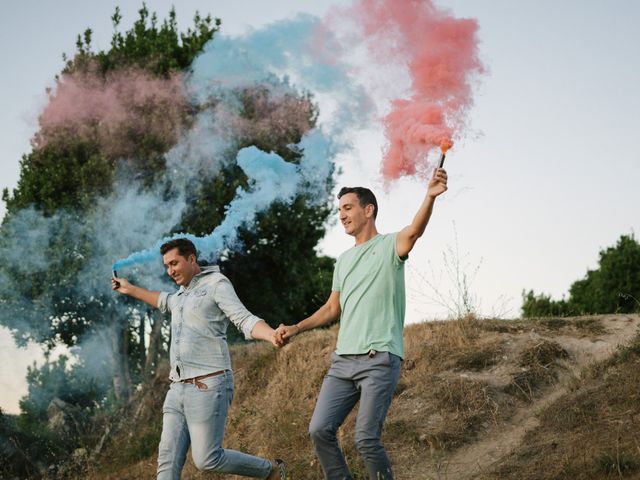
(370, 279)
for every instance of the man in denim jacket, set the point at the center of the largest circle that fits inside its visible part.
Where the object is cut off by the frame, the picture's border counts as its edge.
(196, 405)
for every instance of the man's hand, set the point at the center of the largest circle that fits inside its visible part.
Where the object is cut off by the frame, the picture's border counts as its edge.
(274, 341)
(284, 333)
(124, 285)
(438, 183)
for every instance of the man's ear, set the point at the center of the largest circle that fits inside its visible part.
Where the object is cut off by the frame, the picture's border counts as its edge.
(368, 210)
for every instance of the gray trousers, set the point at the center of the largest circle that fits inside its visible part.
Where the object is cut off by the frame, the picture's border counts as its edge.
(372, 380)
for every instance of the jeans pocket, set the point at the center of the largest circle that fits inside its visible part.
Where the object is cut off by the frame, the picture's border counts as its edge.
(205, 404)
(211, 384)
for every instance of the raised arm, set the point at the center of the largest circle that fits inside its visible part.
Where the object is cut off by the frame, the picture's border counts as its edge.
(127, 288)
(408, 236)
(326, 314)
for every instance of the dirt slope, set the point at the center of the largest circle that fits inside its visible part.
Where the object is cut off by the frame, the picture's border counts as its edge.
(504, 438)
(477, 399)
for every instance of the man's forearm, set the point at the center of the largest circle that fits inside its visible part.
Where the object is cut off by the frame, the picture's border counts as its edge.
(409, 235)
(147, 296)
(326, 314)
(323, 316)
(262, 331)
(421, 219)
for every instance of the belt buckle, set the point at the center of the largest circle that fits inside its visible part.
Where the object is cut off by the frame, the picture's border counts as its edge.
(372, 353)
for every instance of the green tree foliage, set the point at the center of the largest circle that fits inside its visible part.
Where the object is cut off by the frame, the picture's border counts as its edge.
(58, 379)
(153, 47)
(72, 172)
(614, 287)
(278, 272)
(25, 450)
(49, 183)
(62, 185)
(541, 305)
(271, 279)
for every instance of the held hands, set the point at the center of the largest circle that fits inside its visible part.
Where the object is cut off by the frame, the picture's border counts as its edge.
(438, 182)
(273, 340)
(283, 334)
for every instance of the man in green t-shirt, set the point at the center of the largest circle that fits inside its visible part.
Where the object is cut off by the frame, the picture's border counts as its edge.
(368, 297)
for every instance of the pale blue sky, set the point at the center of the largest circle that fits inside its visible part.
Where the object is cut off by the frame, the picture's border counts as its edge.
(549, 177)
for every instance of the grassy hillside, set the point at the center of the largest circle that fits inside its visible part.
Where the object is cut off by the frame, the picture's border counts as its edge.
(481, 399)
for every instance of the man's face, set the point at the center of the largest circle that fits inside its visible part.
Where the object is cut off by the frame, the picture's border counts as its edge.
(353, 216)
(179, 268)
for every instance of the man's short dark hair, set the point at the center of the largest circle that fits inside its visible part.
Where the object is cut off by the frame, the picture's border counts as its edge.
(185, 247)
(365, 197)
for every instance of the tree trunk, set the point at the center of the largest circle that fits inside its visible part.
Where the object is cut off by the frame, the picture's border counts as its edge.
(142, 353)
(155, 343)
(119, 348)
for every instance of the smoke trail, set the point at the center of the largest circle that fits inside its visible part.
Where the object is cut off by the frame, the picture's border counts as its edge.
(272, 180)
(26, 234)
(201, 120)
(287, 50)
(68, 251)
(268, 60)
(440, 55)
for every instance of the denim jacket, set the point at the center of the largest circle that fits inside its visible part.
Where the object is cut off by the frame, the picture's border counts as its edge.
(200, 314)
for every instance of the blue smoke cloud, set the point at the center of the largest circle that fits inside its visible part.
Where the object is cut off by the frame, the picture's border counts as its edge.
(277, 57)
(70, 251)
(271, 178)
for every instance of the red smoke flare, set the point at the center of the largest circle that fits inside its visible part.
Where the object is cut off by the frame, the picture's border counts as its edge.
(441, 56)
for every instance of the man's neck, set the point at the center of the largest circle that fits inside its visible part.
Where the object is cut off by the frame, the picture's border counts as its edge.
(366, 234)
(196, 271)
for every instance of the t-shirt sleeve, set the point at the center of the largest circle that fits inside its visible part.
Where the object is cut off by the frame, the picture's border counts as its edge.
(393, 250)
(335, 284)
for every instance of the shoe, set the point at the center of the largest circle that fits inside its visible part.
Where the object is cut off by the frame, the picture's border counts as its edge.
(281, 469)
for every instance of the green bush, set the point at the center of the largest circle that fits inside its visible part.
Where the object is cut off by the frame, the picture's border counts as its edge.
(613, 287)
(543, 306)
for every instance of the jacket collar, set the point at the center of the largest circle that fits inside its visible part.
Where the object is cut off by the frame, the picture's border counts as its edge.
(204, 271)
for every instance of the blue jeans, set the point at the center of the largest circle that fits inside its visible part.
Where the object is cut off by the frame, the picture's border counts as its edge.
(372, 381)
(197, 416)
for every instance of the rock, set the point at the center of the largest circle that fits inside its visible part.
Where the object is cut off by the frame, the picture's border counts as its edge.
(65, 420)
(80, 456)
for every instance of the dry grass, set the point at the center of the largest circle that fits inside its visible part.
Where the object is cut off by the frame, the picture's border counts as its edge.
(590, 433)
(537, 364)
(447, 397)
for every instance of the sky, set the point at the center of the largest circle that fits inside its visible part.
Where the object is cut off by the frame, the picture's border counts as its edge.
(546, 178)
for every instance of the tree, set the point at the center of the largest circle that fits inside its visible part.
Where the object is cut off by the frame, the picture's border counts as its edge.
(59, 218)
(70, 168)
(614, 287)
(542, 305)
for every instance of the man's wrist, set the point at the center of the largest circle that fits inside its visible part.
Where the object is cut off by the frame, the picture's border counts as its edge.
(298, 329)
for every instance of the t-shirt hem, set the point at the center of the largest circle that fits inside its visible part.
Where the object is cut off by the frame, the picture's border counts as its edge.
(364, 352)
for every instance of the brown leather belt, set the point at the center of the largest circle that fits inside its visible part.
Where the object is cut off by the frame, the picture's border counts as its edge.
(196, 380)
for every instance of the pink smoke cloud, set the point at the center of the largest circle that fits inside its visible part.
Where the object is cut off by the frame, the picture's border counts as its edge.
(117, 112)
(441, 56)
(275, 118)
